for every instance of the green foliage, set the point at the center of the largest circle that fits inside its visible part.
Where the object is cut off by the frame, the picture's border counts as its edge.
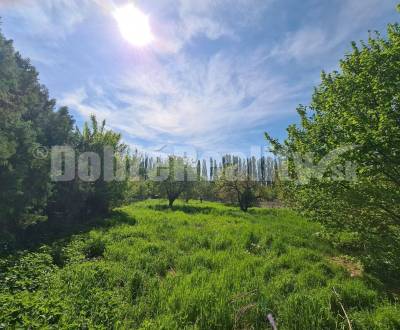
(85, 200)
(28, 123)
(29, 272)
(95, 248)
(268, 193)
(205, 190)
(140, 190)
(357, 108)
(174, 178)
(198, 266)
(238, 187)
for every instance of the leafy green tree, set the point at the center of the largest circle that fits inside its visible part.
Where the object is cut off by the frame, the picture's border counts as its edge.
(80, 200)
(204, 189)
(238, 187)
(28, 122)
(357, 111)
(102, 194)
(174, 178)
(140, 190)
(29, 127)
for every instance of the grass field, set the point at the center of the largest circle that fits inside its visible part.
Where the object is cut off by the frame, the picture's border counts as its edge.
(199, 266)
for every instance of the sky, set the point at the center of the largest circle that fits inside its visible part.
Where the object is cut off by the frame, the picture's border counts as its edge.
(215, 77)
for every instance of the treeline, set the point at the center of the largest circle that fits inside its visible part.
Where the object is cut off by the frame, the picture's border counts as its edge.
(232, 179)
(263, 169)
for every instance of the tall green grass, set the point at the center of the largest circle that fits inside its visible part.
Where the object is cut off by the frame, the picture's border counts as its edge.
(198, 266)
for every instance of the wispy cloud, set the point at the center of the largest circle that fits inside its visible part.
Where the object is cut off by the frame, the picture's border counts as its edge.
(47, 18)
(189, 101)
(179, 22)
(186, 88)
(176, 23)
(323, 35)
(301, 44)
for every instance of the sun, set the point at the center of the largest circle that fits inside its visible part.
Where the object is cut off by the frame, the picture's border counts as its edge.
(134, 25)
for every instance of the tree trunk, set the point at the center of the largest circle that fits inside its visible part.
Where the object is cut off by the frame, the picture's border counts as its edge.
(171, 202)
(243, 205)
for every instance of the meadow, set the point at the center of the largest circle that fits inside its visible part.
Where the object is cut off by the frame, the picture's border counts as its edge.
(197, 266)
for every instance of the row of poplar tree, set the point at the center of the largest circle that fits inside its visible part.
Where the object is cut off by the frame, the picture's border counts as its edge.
(263, 169)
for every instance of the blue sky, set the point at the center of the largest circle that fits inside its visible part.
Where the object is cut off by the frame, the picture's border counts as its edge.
(218, 74)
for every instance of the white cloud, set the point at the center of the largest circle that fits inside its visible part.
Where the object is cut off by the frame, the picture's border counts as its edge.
(301, 44)
(355, 13)
(80, 101)
(176, 96)
(178, 22)
(190, 102)
(325, 35)
(47, 18)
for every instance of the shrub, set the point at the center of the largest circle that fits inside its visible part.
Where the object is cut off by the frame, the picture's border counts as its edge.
(94, 248)
(343, 159)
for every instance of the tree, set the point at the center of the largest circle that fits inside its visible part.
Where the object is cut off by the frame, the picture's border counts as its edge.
(28, 122)
(204, 190)
(356, 110)
(237, 186)
(79, 201)
(102, 193)
(174, 178)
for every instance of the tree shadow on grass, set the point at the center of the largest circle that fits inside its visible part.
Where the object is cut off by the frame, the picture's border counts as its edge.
(49, 232)
(257, 211)
(117, 217)
(189, 209)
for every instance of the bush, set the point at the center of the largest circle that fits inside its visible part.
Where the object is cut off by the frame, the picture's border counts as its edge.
(95, 248)
(343, 161)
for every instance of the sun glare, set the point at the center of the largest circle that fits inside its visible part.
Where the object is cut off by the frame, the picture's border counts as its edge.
(134, 25)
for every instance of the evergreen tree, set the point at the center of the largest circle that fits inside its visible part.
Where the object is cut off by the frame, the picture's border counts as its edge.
(28, 124)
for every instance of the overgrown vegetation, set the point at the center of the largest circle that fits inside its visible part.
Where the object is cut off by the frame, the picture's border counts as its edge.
(29, 127)
(199, 266)
(355, 116)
